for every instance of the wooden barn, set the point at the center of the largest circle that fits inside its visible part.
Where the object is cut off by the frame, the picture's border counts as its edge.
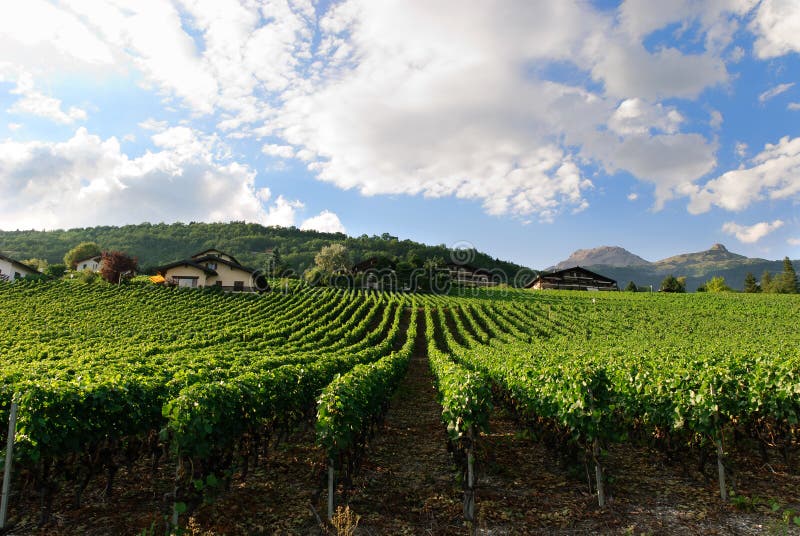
(575, 278)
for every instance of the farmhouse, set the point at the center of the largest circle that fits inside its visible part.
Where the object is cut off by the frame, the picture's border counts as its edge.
(470, 276)
(575, 278)
(11, 269)
(92, 263)
(377, 273)
(213, 268)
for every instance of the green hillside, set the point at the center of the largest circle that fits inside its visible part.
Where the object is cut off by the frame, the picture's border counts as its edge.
(156, 244)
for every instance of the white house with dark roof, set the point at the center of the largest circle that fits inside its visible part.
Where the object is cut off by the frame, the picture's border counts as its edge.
(213, 268)
(92, 263)
(11, 269)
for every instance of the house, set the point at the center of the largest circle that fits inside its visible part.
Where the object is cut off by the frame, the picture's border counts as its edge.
(575, 278)
(11, 269)
(92, 263)
(469, 276)
(378, 273)
(214, 268)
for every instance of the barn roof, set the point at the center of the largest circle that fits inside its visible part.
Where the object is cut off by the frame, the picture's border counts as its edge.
(561, 273)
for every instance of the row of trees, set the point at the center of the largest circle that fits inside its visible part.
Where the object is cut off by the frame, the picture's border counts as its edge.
(785, 282)
(114, 265)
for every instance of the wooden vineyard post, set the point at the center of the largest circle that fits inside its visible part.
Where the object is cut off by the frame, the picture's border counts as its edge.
(12, 431)
(723, 487)
(331, 482)
(175, 510)
(469, 492)
(598, 473)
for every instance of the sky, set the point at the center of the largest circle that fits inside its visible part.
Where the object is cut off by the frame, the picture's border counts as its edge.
(527, 129)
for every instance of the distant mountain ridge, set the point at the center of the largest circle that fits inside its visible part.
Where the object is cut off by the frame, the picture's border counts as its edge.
(605, 255)
(698, 267)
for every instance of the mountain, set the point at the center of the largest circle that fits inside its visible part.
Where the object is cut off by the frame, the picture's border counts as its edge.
(605, 255)
(252, 244)
(697, 267)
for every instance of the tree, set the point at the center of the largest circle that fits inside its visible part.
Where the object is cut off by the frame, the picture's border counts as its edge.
(786, 282)
(115, 266)
(84, 250)
(40, 264)
(631, 287)
(333, 259)
(766, 282)
(673, 284)
(56, 270)
(717, 284)
(750, 283)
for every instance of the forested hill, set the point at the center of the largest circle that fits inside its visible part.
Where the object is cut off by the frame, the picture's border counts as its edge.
(155, 244)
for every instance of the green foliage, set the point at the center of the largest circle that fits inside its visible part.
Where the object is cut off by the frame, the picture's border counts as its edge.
(333, 259)
(56, 270)
(786, 282)
(673, 284)
(252, 244)
(766, 282)
(82, 251)
(40, 265)
(717, 284)
(631, 287)
(750, 284)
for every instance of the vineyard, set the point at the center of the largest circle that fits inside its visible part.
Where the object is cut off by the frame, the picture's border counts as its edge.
(206, 386)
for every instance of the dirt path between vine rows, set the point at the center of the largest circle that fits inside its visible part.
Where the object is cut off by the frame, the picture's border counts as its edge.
(407, 483)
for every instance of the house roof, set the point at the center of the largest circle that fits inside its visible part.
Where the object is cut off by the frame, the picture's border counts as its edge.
(220, 260)
(560, 273)
(95, 258)
(206, 252)
(374, 262)
(18, 264)
(187, 262)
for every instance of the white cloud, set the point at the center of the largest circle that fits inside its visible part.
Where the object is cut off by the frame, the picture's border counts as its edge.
(633, 196)
(152, 124)
(325, 222)
(635, 116)
(14, 126)
(741, 149)
(793, 106)
(472, 112)
(716, 119)
(283, 212)
(87, 181)
(774, 92)
(774, 174)
(793, 241)
(750, 234)
(777, 28)
(281, 151)
(34, 102)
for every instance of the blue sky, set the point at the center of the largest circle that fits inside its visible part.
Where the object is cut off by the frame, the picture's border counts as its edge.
(528, 129)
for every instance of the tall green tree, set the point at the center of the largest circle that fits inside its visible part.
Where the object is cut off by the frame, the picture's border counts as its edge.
(84, 250)
(631, 287)
(750, 283)
(786, 282)
(766, 282)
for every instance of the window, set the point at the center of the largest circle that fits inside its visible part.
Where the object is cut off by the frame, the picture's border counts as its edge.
(211, 265)
(238, 286)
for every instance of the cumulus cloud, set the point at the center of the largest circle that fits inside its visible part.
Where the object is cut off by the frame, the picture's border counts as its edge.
(422, 98)
(86, 180)
(326, 222)
(282, 213)
(774, 92)
(793, 106)
(774, 174)
(793, 241)
(777, 28)
(633, 196)
(750, 234)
